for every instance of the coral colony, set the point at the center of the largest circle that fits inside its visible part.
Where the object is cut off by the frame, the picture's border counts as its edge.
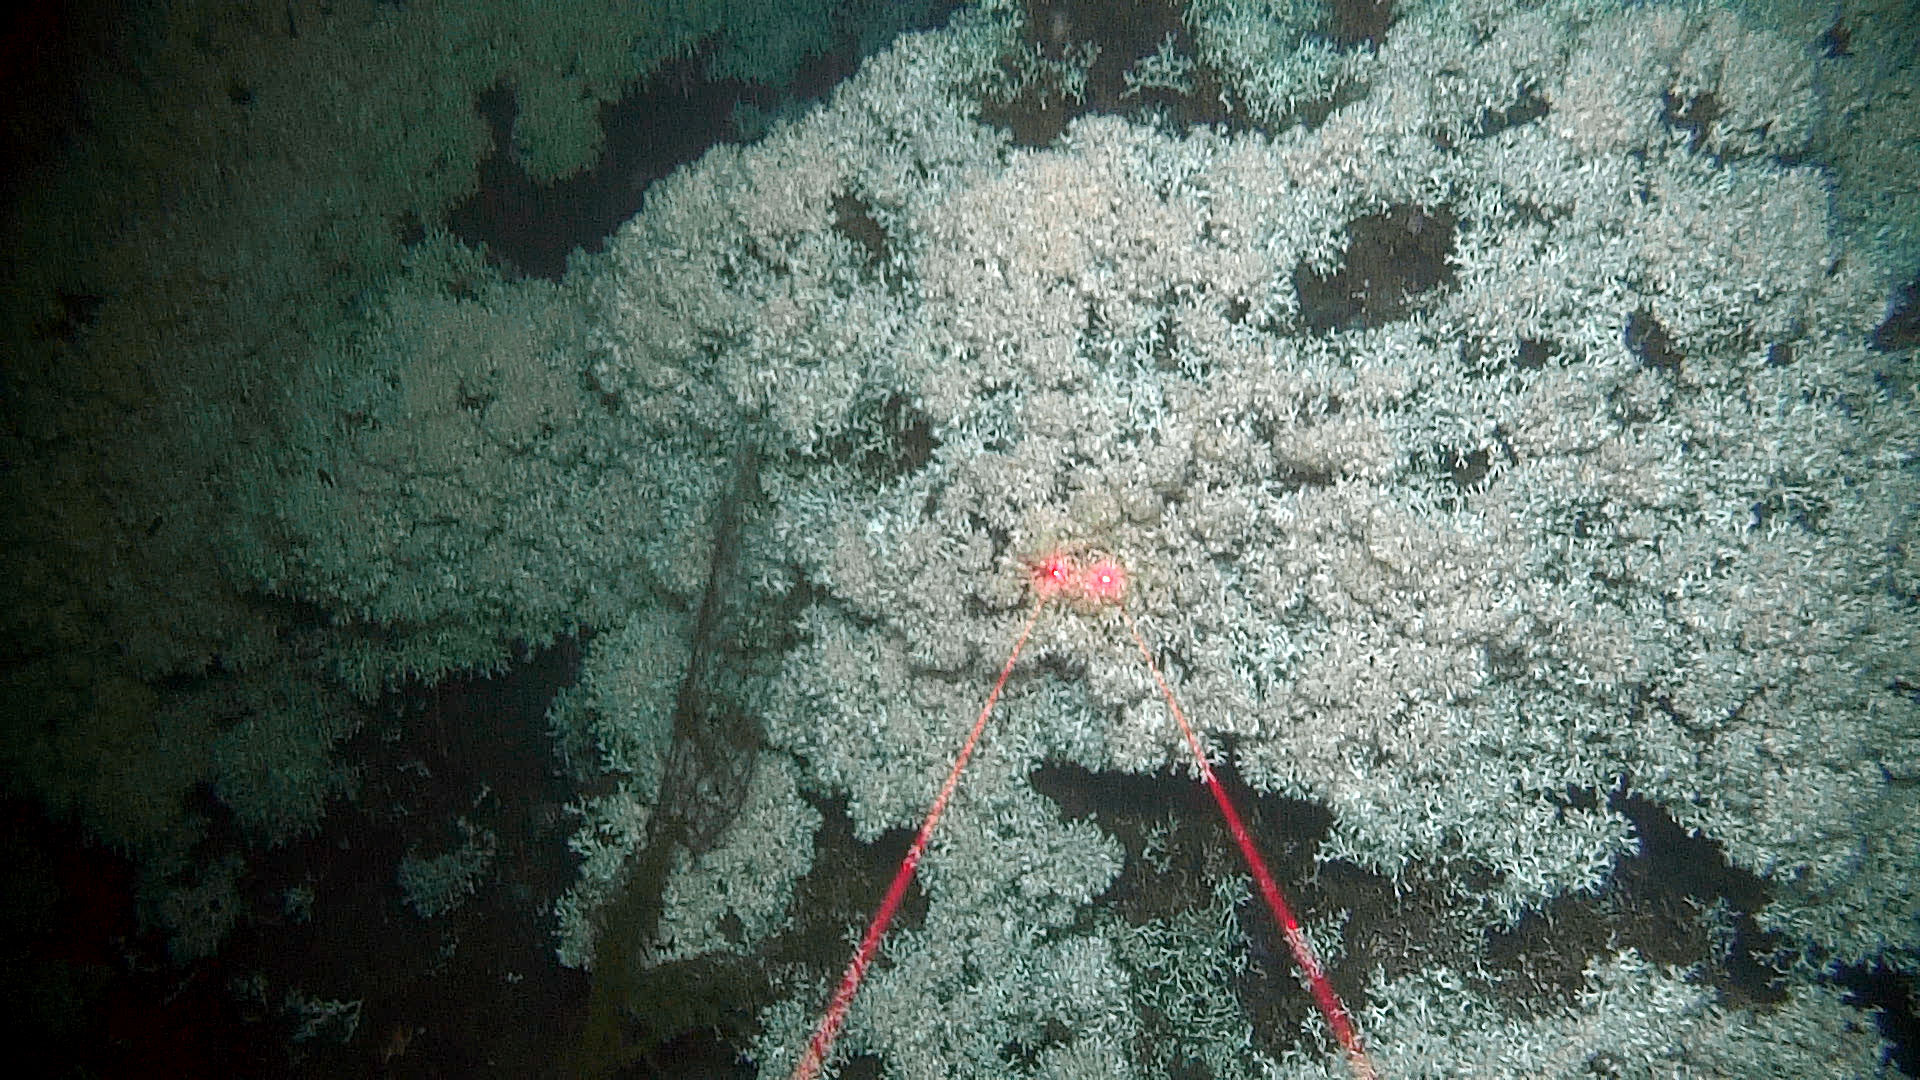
(1606, 502)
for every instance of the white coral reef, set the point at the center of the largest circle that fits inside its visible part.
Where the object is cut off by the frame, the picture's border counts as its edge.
(1623, 502)
(1690, 577)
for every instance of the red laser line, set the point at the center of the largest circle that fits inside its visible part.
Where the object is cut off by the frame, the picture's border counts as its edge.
(836, 1014)
(1303, 954)
(1105, 582)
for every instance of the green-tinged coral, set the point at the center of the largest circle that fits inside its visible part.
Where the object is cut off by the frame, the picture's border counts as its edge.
(434, 885)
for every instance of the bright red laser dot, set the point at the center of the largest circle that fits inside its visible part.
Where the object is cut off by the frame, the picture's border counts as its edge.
(1052, 576)
(1105, 582)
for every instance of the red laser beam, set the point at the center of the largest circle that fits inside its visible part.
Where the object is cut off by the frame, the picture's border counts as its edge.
(1303, 954)
(836, 1014)
(1102, 582)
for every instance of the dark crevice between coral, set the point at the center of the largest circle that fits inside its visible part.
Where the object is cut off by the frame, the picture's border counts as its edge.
(1393, 258)
(1530, 106)
(1120, 33)
(1360, 23)
(1652, 902)
(886, 439)
(1648, 340)
(1892, 996)
(669, 119)
(1693, 115)
(530, 229)
(840, 893)
(469, 746)
(854, 221)
(1194, 850)
(1690, 871)
(1900, 330)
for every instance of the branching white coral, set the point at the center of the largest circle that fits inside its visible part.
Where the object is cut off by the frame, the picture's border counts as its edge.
(1616, 504)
